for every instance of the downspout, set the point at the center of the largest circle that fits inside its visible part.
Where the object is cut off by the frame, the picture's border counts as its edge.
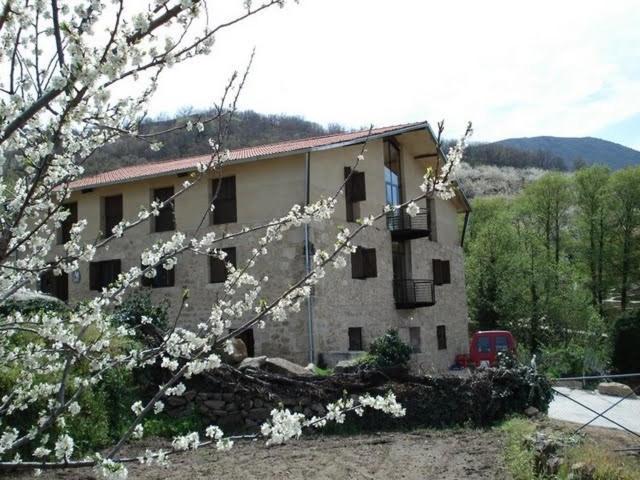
(307, 254)
(464, 227)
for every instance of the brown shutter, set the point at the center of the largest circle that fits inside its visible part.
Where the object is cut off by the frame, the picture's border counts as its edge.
(217, 267)
(347, 196)
(437, 272)
(370, 262)
(171, 277)
(94, 275)
(358, 188)
(357, 264)
(446, 271)
(112, 213)
(65, 226)
(62, 286)
(224, 199)
(165, 221)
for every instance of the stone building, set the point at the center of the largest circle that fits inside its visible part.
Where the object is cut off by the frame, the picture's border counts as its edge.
(408, 273)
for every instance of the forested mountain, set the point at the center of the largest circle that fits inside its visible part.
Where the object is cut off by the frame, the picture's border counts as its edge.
(576, 151)
(248, 128)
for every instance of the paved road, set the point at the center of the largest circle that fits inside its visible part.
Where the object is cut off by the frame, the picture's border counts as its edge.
(626, 413)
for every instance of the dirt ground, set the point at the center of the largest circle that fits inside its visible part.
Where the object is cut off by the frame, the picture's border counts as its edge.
(422, 454)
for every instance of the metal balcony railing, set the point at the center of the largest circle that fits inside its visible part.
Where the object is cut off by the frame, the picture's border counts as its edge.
(403, 226)
(409, 293)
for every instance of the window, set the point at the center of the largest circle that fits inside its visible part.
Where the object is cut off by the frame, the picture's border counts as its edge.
(225, 201)
(64, 233)
(166, 220)
(247, 339)
(502, 344)
(393, 189)
(355, 339)
(414, 339)
(484, 345)
(441, 272)
(363, 263)
(441, 333)
(217, 267)
(354, 192)
(163, 278)
(102, 274)
(55, 285)
(112, 207)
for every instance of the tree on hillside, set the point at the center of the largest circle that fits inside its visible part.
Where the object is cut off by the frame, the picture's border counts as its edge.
(593, 224)
(549, 200)
(74, 80)
(624, 195)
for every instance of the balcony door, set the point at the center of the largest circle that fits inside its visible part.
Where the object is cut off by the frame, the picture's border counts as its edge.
(401, 260)
(392, 178)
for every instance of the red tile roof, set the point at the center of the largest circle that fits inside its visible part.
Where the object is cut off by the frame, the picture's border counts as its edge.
(146, 170)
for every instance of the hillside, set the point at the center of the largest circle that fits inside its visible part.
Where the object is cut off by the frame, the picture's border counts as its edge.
(575, 150)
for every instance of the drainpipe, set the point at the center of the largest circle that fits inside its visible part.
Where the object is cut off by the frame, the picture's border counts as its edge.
(307, 254)
(464, 228)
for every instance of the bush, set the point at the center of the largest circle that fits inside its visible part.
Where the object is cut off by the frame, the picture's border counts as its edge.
(138, 304)
(626, 338)
(574, 359)
(389, 351)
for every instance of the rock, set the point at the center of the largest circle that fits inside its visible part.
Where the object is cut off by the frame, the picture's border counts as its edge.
(257, 403)
(280, 365)
(347, 366)
(214, 404)
(228, 397)
(239, 352)
(255, 363)
(581, 471)
(615, 389)
(531, 411)
(258, 413)
(173, 401)
(553, 465)
(189, 395)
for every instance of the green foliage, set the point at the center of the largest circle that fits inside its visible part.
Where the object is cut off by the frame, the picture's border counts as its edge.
(163, 425)
(520, 461)
(33, 305)
(626, 338)
(389, 351)
(138, 304)
(575, 359)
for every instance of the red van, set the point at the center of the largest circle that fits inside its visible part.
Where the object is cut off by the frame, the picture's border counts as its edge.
(485, 346)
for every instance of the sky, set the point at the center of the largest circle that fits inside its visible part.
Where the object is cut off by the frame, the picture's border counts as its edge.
(513, 68)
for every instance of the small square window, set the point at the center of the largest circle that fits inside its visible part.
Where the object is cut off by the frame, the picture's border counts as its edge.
(102, 274)
(218, 268)
(441, 332)
(364, 263)
(165, 221)
(414, 339)
(355, 339)
(163, 278)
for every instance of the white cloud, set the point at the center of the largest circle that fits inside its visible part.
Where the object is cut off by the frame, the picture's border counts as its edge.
(515, 69)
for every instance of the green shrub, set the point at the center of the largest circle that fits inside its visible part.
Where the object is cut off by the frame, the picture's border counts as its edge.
(389, 351)
(163, 425)
(626, 338)
(138, 304)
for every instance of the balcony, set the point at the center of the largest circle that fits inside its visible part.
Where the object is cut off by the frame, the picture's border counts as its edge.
(409, 293)
(404, 227)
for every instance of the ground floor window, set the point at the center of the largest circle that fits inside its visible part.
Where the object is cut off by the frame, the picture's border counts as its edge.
(249, 342)
(55, 285)
(441, 332)
(355, 339)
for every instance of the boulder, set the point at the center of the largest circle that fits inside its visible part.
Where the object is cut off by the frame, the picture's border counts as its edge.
(280, 365)
(347, 366)
(615, 389)
(531, 411)
(239, 352)
(255, 363)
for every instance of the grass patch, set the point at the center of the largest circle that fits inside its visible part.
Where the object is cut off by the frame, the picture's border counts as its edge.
(583, 458)
(519, 460)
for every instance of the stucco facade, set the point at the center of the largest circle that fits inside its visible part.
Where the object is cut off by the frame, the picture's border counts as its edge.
(267, 188)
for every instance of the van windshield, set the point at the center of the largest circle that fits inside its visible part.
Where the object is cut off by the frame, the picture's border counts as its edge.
(484, 345)
(502, 345)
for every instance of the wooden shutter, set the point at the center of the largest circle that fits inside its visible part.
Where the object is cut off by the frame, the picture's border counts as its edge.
(65, 226)
(358, 188)
(94, 275)
(111, 271)
(446, 271)
(217, 267)
(347, 196)
(112, 213)
(357, 264)
(62, 286)
(224, 200)
(437, 271)
(46, 282)
(165, 221)
(144, 280)
(370, 262)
